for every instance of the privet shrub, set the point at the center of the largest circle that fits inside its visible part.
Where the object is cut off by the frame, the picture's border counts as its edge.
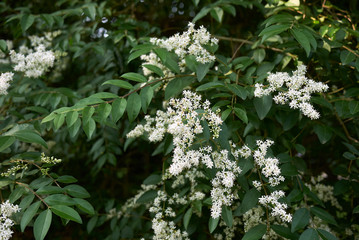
(229, 119)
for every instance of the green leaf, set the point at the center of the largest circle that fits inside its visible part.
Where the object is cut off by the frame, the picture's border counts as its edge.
(227, 216)
(29, 214)
(49, 118)
(241, 114)
(250, 200)
(89, 127)
(259, 55)
(40, 182)
(273, 30)
(77, 191)
(3, 46)
(225, 114)
(26, 21)
(217, 14)
(104, 110)
(5, 142)
(16, 194)
(278, 18)
(255, 233)
(354, 107)
(71, 118)
(134, 77)
(48, 19)
(212, 224)
(90, 11)
(176, 86)
(84, 206)
(133, 106)
(204, 11)
(154, 69)
(209, 85)
(187, 218)
(300, 219)
(49, 190)
(119, 83)
(87, 113)
(42, 224)
(323, 132)
(146, 97)
(322, 214)
(168, 59)
(309, 234)
(26, 201)
(91, 224)
(349, 156)
(325, 235)
(262, 106)
(66, 179)
(103, 95)
(147, 196)
(284, 231)
(29, 136)
(356, 209)
(73, 130)
(66, 213)
(138, 53)
(202, 70)
(302, 39)
(59, 199)
(118, 108)
(239, 91)
(346, 57)
(59, 120)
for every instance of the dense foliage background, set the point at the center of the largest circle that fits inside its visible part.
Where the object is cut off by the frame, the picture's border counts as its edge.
(69, 113)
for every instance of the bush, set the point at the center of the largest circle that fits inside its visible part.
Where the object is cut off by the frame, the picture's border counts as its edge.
(179, 120)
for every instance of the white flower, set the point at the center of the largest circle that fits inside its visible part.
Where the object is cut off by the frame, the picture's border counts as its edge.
(298, 90)
(7, 209)
(35, 64)
(5, 78)
(278, 209)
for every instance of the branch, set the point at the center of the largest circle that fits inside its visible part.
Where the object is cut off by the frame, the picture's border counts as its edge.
(251, 43)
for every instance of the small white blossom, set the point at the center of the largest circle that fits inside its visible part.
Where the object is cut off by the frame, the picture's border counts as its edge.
(278, 209)
(5, 78)
(298, 93)
(7, 210)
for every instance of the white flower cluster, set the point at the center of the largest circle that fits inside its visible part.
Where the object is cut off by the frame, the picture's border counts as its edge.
(190, 42)
(162, 228)
(256, 216)
(5, 78)
(37, 60)
(278, 209)
(49, 160)
(222, 193)
(324, 192)
(298, 90)
(182, 121)
(7, 209)
(269, 165)
(35, 63)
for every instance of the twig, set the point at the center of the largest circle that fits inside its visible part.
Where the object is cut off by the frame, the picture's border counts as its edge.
(345, 129)
(37, 195)
(251, 43)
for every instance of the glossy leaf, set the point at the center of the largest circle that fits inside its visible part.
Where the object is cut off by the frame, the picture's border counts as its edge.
(29, 215)
(66, 213)
(42, 224)
(133, 106)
